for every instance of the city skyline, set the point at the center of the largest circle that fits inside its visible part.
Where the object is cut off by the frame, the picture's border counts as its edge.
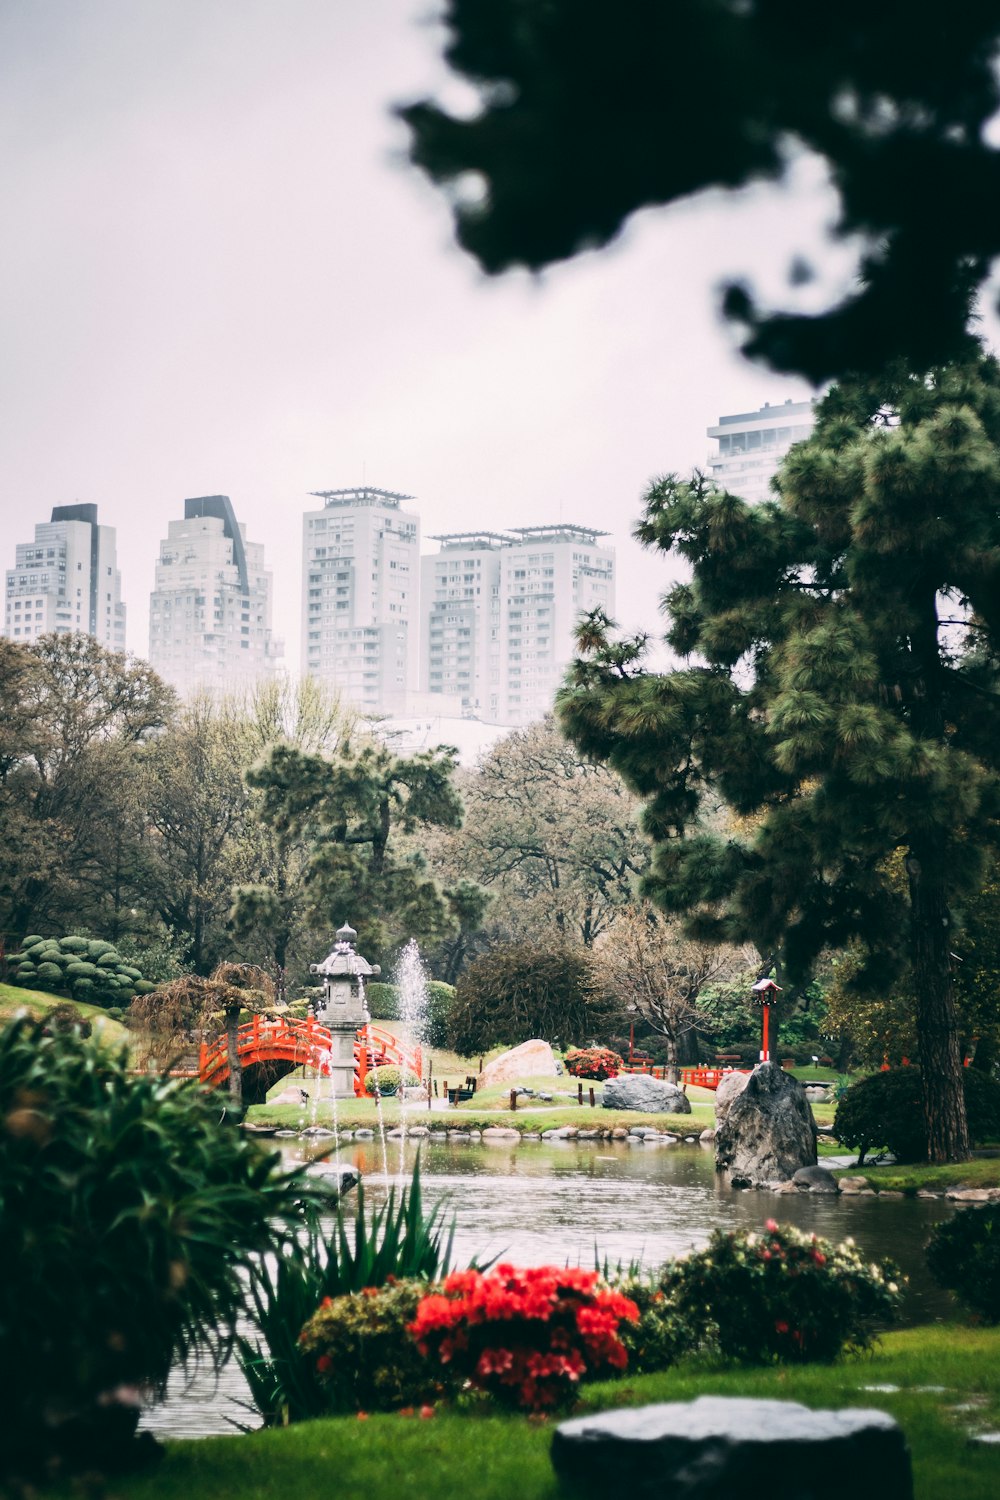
(228, 282)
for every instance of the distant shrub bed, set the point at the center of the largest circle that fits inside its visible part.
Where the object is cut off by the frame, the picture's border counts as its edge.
(89, 969)
(593, 1062)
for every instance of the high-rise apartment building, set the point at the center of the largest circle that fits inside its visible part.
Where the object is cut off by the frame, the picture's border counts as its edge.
(549, 577)
(210, 609)
(360, 585)
(499, 614)
(460, 619)
(752, 444)
(67, 579)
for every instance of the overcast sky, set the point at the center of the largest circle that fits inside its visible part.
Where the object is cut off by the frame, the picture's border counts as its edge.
(219, 276)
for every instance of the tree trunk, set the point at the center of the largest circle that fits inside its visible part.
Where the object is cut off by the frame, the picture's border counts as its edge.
(673, 1072)
(937, 1034)
(232, 1052)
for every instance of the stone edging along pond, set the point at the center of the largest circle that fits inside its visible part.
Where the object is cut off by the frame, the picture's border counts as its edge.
(847, 1183)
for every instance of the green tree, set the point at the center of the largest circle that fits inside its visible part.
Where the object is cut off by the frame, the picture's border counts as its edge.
(586, 117)
(346, 809)
(844, 644)
(529, 989)
(75, 718)
(553, 836)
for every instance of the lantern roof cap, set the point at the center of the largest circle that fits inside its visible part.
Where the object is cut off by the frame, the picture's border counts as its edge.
(766, 984)
(344, 958)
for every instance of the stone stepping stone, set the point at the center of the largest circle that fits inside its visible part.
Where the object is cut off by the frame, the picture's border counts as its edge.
(718, 1446)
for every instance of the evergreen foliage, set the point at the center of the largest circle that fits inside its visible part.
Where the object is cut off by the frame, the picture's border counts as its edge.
(87, 969)
(843, 644)
(585, 117)
(964, 1256)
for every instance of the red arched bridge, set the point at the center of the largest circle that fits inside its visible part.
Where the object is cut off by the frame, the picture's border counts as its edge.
(268, 1050)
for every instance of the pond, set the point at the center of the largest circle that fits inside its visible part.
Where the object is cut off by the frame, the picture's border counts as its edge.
(560, 1201)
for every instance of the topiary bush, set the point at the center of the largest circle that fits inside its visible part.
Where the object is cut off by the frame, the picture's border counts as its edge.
(885, 1110)
(128, 1218)
(382, 1001)
(363, 1355)
(782, 1296)
(387, 1080)
(964, 1256)
(440, 1003)
(88, 969)
(594, 1062)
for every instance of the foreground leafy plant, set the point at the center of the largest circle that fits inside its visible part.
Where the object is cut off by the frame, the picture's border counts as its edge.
(964, 1256)
(399, 1243)
(782, 1295)
(526, 1337)
(127, 1217)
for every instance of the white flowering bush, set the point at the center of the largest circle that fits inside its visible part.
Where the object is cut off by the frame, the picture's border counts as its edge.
(782, 1296)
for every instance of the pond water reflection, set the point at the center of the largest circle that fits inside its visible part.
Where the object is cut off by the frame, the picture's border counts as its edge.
(558, 1201)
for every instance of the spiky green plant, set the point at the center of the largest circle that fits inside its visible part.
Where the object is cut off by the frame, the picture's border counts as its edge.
(399, 1242)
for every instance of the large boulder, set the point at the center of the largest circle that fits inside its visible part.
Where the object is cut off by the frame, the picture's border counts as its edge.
(768, 1132)
(731, 1085)
(530, 1060)
(718, 1447)
(641, 1091)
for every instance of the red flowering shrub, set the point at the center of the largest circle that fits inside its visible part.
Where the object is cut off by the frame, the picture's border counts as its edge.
(527, 1337)
(782, 1295)
(594, 1062)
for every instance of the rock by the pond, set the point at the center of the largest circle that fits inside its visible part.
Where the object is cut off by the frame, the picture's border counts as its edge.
(336, 1178)
(291, 1095)
(856, 1185)
(640, 1091)
(500, 1133)
(768, 1132)
(530, 1060)
(708, 1136)
(730, 1087)
(816, 1179)
(717, 1447)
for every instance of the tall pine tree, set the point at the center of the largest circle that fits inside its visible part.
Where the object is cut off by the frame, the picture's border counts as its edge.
(842, 646)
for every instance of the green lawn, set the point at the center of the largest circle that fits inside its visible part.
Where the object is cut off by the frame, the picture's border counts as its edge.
(981, 1173)
(935, 1372)
(13, 999)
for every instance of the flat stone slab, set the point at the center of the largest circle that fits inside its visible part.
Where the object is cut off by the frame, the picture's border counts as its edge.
(717, 1446)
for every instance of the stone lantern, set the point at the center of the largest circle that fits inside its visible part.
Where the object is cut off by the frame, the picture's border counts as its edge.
(342, 1008)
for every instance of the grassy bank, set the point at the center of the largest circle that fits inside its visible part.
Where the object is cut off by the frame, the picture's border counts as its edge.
(984, 1172)
(38, 1003)
(527, 1120)
(944, 1380)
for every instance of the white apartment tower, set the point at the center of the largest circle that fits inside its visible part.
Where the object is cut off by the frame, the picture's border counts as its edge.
(500, 611)
(752, 444)
(549, 577)
(360, 584)
(67, 579)
(210, 609)
(460, 619)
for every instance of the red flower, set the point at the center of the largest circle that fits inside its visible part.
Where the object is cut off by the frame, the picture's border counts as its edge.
(324, 1363)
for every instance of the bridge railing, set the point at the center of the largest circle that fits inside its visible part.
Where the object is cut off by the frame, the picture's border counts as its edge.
(306, 1042)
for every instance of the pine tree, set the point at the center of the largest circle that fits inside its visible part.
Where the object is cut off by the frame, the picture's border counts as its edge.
(842, 647)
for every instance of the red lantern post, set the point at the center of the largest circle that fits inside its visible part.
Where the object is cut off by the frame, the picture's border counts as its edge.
(764, 993)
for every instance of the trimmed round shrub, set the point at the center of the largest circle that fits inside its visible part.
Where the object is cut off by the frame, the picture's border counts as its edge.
(64, 964)
(886, 1111)
(49, 974)
(782, 1296)
(594, 1062)
(387, 1080)
(73, 944)
(964, 1256)
(383, 1001)
(440, 1002)
(363, 1355)
(31, 940)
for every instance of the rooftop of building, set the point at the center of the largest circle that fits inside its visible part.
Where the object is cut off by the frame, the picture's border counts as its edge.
(473, 540)
(562, 532)
(766, 413)
(77, 512)
(364, 494)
